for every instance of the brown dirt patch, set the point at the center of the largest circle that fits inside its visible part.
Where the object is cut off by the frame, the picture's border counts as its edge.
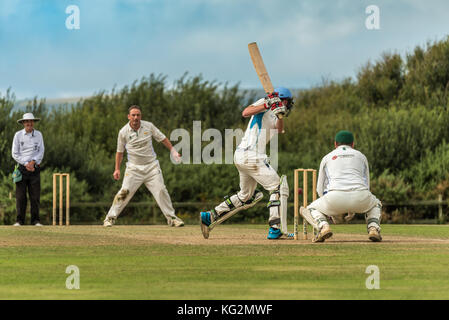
(188, 235)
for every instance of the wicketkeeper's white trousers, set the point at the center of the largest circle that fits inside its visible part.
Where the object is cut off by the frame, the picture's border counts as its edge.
(253, 172)
(335, 203)
(135, 176)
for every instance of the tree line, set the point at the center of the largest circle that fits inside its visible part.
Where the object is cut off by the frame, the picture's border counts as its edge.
(397, 108)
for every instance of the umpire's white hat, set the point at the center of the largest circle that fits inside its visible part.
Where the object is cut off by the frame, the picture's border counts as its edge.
(28, 116)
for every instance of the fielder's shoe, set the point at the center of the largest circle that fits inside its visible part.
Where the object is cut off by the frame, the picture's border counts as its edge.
(17, 224)
(274, 233)
(325, 233)
(176, 222)
(374, 234)
(108, 222)
(38, 224)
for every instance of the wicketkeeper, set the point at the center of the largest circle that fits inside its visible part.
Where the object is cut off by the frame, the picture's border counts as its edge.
(142, 167)
(344, 187)
(252, 163)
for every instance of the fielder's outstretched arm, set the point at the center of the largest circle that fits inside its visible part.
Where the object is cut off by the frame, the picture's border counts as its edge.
(176, 156)
(118, 162)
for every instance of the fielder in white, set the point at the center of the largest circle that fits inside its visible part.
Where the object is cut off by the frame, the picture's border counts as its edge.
(344, 187)
(251, 161)
(142, 167)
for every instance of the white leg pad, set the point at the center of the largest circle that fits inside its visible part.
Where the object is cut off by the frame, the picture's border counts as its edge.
(284, 203)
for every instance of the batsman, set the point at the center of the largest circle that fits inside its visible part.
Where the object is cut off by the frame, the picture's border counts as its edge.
(266, 119)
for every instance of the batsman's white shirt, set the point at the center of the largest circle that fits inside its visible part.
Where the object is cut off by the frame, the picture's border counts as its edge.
(343, 169)
(260, 130)
(139, 144)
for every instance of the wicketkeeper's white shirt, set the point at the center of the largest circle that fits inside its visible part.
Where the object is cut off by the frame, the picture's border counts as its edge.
(343, 169)
(139, 144)
(260, 130)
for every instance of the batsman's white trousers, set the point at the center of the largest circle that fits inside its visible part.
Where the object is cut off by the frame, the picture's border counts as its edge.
(335, 203)
(135, 176)
(252, 173)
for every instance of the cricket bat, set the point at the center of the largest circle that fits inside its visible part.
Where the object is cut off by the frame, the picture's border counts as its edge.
(261, 71)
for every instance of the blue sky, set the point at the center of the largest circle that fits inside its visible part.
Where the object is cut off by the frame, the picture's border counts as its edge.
(119, 41)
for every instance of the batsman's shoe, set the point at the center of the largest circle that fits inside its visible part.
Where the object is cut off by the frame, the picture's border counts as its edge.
(108, 222)
(206, 219)
(325, 233)
(289, 235)
(274, 234)
(374, 235)
(176, 222)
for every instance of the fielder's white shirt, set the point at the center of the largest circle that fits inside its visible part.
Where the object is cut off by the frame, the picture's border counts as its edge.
(28, 146)
(260, 130)
(343, 169)
(139, 144)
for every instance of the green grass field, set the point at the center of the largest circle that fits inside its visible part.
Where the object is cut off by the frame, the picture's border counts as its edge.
(236, 262)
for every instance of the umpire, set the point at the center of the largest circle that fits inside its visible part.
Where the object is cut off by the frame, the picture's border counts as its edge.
(28, 152)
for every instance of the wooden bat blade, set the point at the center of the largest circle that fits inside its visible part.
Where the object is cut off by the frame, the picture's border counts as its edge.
(260, 67)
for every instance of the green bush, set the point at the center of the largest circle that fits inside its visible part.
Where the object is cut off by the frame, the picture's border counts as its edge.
(390, 188)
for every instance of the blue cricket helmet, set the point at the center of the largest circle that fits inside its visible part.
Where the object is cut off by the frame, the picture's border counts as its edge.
(284, 93)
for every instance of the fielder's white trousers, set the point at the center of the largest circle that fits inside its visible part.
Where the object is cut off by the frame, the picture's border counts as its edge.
(335, 203)
(253, 172)
(135, 176)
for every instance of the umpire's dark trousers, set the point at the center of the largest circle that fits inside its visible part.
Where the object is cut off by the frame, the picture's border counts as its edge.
(31, 182)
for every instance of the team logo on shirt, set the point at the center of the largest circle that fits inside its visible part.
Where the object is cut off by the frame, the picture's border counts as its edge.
(334, 157)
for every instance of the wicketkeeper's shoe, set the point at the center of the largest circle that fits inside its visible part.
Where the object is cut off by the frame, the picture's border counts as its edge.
(176, 222)
(17, 224)
(374, 234)
(325, 233)
(274, 234)
(108, 222)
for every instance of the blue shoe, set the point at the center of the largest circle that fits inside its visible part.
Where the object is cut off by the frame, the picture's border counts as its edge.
(205, 218)
(274, 234)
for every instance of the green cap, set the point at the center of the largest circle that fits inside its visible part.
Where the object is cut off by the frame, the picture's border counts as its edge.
(344, 137)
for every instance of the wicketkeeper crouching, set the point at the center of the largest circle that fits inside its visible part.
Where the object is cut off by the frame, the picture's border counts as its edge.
(344, 187)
